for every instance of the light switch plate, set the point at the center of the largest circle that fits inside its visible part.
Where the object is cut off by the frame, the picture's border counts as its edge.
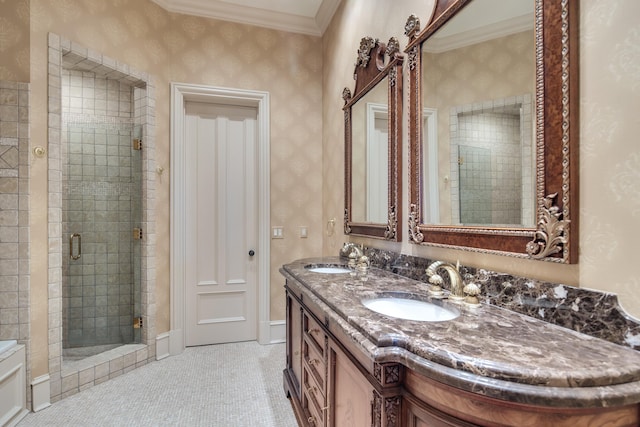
(277, 232)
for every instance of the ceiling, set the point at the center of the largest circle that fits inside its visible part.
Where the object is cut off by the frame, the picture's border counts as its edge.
(482, 20)
(299, 16)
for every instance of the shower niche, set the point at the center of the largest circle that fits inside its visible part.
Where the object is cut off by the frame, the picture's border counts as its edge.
(101, 151)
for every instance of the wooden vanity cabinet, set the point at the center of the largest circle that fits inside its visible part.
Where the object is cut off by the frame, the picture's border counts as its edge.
(294, 344)
(305, 376)
(417, 414)
(327, 385)
(351, 394)
(332, 383)
(430, 403)
(314, 370)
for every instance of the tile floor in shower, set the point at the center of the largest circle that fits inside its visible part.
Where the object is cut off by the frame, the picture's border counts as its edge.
(79, 353)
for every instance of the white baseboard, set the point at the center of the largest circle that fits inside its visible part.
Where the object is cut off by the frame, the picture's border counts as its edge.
(162, 346)
(172, 343)
(278, 331)
(176, 342)
(40, 393)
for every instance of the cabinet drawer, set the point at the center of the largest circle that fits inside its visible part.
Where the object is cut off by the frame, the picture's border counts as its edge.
(310, 383)
(312, 410)
(314, 333)
(314, 398)
(314, 362)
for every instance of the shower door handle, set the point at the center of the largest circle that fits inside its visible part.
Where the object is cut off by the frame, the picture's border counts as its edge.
(75, 236)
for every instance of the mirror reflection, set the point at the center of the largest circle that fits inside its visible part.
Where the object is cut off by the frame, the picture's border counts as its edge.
(369, 156)
(478, 81)
(372, 135)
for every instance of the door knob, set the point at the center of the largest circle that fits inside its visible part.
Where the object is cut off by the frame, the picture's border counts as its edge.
(252, 252)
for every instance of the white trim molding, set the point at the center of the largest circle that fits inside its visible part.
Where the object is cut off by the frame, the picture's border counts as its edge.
(296, 17)
(163, 346)
(40, 393)
(181, 93)
(430, 117)
(278, 331)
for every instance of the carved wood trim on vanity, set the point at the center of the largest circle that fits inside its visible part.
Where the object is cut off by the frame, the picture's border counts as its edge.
(485, 411)
(388, 374)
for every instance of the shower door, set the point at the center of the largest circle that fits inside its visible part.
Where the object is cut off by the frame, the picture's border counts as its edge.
(101, 217)
(474, 169)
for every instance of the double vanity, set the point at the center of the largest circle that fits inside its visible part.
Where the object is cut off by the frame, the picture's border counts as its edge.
(351, 361)
(493, 169)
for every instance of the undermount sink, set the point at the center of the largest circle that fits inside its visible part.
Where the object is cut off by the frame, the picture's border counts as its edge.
(328, 269)
(410, 309)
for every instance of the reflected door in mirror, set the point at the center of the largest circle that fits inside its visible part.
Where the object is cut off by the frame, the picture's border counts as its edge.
(370, 156)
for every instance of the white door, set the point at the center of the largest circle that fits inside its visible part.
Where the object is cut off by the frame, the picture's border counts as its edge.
(221, 224)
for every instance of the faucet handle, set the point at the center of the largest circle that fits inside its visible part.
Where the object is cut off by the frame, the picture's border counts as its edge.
(472, 291)
(436, 282)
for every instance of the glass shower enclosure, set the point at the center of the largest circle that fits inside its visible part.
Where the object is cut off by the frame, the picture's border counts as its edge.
(101, 216)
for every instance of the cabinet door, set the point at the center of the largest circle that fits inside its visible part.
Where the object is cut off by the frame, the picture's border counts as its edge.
(350, 395)
(417, 414)
(294, 342)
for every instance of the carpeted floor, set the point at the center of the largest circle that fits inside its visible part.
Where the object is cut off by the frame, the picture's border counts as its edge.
(227, 385)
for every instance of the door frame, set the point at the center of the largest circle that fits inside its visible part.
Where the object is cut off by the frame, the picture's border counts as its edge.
(180, 94)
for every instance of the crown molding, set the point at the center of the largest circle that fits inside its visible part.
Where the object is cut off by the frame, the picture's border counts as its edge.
(500, 29)
(282, 21)
(325, 13)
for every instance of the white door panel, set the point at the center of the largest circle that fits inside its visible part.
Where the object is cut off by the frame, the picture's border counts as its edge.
(221, 224)
(378, 171)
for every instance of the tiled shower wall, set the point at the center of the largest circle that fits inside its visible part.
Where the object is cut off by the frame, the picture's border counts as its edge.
(14, 213)
(508, 140)
(490, 165)
(64, 54)
(101, 199)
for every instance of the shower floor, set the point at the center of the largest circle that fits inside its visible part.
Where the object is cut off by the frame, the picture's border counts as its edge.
(79, 353)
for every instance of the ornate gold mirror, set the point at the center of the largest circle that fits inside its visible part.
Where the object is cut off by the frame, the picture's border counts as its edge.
(372, 132)
(493, 128)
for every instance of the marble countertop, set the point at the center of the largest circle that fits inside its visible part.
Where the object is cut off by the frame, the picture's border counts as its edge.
(487, 350)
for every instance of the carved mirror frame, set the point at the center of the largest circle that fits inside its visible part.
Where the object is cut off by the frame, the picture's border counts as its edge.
(556, 136)
(371, 69)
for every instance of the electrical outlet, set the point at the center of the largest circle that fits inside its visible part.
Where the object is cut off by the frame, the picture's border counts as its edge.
(277, 232)
(304, 232)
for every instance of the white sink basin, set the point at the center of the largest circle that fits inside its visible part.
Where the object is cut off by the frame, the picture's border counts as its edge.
(329, 270)
(410, 309)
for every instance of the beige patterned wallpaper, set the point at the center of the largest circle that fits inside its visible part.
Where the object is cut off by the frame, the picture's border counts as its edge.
(14, 40)
(609, 149)
(610, 153)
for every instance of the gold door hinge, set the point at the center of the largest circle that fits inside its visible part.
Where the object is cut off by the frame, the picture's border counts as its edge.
(137, 144)
(137, 233)
(460, 160)
(137, 322)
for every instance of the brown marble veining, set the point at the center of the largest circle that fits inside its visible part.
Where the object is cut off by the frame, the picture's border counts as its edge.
(590, 312)
(488, 350)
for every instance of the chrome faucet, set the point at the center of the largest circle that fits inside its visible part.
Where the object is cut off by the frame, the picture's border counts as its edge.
(457, 284)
